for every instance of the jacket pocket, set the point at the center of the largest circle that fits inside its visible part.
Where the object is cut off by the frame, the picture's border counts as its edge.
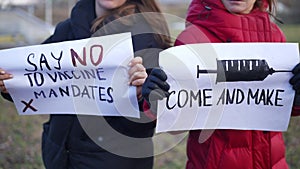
(54, 156)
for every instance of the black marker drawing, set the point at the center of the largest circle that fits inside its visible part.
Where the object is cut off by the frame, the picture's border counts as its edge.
(241, 70)
(28, 106)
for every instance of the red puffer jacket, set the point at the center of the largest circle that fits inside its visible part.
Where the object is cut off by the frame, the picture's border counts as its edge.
(209, 21)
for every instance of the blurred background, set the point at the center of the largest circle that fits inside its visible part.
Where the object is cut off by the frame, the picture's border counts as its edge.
(29, 22)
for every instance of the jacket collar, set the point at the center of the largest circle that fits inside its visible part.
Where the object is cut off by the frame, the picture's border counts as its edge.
(227, 27)
(82, 17)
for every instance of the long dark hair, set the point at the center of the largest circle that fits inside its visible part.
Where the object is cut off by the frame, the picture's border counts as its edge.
(157, 21)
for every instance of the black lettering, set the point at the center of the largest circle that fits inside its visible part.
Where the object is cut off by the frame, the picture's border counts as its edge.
(52, 92)
(262, 97)
(29, 78)
(206, 97)
(38, 81)
(269, 97)
(168, 99)
(222, 98)
(239, 96)
(53, 78)
(75, 90)
(85, 91)
(83, 75)
(67, 75)
(43, 60)
(74, 75)
(58, 60)
(90, 74)
(180, 98)
(277, 98)
(100, 94)
(31, 63)
(230, 100)
(93, 89)
(109, 93)
(252, 96)
(62, 76)
(64, 92)
(195, 97)
(37, 95)
(99, 72)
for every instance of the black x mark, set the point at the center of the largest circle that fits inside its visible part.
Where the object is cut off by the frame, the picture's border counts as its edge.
(28, 105)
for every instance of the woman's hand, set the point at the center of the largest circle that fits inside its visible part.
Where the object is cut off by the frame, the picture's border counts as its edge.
(137, 74)
(295, 80)
(156, 86)
(4, 76)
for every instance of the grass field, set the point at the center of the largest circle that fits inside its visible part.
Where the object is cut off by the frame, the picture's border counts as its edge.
(292, 32)
(20, 136)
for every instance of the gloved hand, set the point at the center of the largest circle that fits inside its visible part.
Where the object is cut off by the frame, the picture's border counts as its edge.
(155, 87)
(295, 82)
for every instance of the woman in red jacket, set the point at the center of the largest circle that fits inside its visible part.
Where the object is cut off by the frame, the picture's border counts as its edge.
(229, 21)
(233, 21)
(67, 141)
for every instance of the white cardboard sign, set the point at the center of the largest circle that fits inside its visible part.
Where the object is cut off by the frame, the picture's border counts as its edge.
(88, 76)
(256, 94)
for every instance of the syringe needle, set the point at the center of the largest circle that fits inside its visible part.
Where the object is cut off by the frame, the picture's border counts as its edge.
(282, 71)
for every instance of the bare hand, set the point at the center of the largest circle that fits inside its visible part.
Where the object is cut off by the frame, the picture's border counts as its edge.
(137, 74)
(4, 76)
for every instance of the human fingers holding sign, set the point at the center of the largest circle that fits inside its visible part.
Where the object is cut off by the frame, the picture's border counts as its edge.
(137, 74)
(295, 82)
(4, 76)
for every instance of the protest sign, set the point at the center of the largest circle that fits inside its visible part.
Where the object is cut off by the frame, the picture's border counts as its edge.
(88, 76)
(228, 86)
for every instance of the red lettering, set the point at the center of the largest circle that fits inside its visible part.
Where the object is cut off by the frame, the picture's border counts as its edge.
(74, 56)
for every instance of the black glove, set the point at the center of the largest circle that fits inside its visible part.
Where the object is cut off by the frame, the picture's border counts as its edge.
(155, 87)
(295, 82)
